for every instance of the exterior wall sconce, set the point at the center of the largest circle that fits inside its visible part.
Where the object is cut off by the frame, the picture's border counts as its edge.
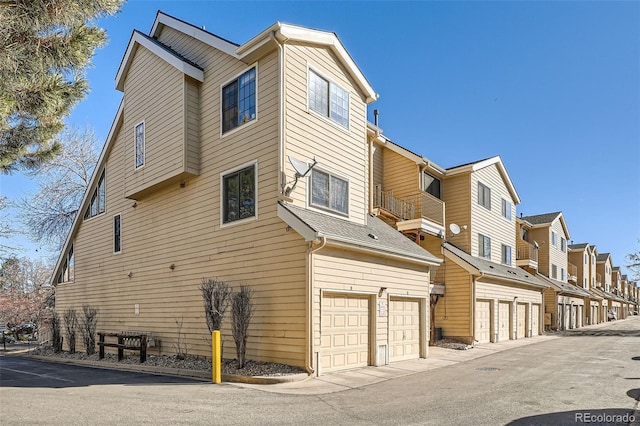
(382, 290)
(130, 274)
(172, 266)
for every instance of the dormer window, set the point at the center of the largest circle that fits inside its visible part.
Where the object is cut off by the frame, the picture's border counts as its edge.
(328, 99)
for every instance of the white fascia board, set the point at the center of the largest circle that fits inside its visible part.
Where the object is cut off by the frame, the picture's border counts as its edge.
(193, 31)
(324, 38)
(352, 245)
(115, 125)
(564, 226)
(485, 163)
(139, 39)
(461, 262)
(296, 224)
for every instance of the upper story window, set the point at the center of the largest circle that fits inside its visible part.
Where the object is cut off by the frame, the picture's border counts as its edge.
(506, 209)
(484, 246)
(484, 196)
(117, 233)
(593, 259)
(563, 274)
(98, 198)
(328, 99)
(239, 194)
(554, 271)
(586, 259)
(67, 272)
(239, 101)
(139, 142)
(506, 254)
(554, 238)
(329, 192)
(585, 283)
(431, 185)
(563, 244)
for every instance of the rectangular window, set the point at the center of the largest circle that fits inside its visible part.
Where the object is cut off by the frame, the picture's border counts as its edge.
(506, 254)
(139, 136)
(484, 246)
(506, 209)
(239, 195)
(328, 99)
(563, 274)
(554, 271)
(585, 283)
(329, 192)
(239, 101)
(484, 196)
(117, 234)
(586, 259)
(98, 203)
(431, 185)
(563, 244)
(554, 238)
(72, 263)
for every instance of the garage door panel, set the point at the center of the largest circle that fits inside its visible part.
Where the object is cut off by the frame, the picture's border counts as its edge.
(404, 329)
(483, 321)
(521, 320)
(344, 332)
(535, 320)
(504, 321)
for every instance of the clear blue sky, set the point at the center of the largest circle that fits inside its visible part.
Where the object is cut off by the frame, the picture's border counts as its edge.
(552, 87)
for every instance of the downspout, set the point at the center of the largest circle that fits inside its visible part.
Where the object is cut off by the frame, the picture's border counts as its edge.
(281, 163)
(309, 293)
(370, 175)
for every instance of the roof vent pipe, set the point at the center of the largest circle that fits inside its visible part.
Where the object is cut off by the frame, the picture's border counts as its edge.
(376, 113)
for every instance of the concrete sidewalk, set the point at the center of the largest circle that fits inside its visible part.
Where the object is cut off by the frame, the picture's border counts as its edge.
(356, 378)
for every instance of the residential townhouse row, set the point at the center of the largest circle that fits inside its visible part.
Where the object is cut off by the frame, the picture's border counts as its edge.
(255, 164)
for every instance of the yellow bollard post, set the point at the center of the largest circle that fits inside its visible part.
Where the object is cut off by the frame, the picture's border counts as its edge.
(216, 375)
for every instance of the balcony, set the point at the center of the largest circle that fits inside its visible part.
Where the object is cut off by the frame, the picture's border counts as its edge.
(420, 211)
(572, 272)
(526, 254)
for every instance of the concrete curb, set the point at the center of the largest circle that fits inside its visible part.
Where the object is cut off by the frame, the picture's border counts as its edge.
(167, 371)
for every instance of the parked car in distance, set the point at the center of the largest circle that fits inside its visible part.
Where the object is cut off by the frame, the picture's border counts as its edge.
(611, 315)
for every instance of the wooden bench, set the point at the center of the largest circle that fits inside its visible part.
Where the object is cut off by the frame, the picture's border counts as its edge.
(126, 341)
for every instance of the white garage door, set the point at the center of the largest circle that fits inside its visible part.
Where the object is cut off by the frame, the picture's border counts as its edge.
(483, 321)
(404, 329)
(521, 320)
(345, 332)
(504, 322)
(535, 320)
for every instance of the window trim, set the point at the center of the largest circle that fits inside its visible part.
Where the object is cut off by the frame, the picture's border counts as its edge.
(220, 92)
(113, 230)
(554, 238)
(506, 260)
(563, 244)
(329, 81)
(87, 213)
(424, 189)
(144, 145)
(482, 185)
(225, 173)
(323, 209)
(554, 271)
(506, 212)
(66, 275)
(481, 243)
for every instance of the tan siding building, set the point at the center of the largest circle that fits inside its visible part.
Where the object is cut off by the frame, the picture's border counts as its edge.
(196, 181)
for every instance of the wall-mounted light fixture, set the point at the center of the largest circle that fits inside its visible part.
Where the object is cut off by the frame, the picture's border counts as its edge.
(130, 274)
(172, 266)
(382, 290)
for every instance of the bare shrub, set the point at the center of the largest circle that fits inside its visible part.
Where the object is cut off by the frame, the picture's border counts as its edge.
(180, 345)
(56, 334)
(71, 326)
(242, 312)
(216, 296)
(88, 328)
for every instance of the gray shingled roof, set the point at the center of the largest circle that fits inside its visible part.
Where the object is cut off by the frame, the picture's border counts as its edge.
(169, 50)
(602, 257)
(387, 239)
(580, 246)
(539, 219)
(495, 269)
(566, 288)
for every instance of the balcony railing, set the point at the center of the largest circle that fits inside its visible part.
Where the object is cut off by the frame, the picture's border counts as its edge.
(416, 206)
(573, 272)
(526, 251)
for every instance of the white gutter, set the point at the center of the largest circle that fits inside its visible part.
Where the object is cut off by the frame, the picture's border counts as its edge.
(281, 118)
